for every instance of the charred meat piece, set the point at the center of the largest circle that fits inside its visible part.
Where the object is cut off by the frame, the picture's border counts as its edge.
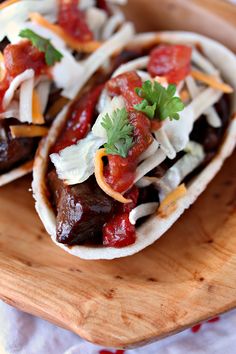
(14, 152)
(81, 210)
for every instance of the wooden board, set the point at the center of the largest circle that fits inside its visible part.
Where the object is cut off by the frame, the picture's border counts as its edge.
(214, 18)
(185, 277)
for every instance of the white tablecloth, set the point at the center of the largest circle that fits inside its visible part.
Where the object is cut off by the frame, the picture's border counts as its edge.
(21, 333)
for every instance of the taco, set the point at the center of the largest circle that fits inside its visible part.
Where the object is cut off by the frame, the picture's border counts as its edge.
(133, 151)
(48, 50)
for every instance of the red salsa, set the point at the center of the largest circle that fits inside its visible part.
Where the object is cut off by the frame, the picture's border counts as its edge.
(73, 21)
(80, 118)
(18, 58)
(118, 231)
(22, 56)
(171, 61)
(120, 172)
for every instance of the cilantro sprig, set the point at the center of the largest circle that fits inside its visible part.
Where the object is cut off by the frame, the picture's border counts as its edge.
(52, 55)
(119, 132)
(158, 102)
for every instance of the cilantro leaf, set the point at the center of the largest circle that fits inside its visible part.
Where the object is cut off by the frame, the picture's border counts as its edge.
(158, 102)
(52, 55)
(119, 133)
(146, 108)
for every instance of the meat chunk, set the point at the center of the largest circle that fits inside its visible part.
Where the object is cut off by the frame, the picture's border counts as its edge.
(82, 210)
(13, 152)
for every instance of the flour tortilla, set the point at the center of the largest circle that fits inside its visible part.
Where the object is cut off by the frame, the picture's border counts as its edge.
(155, 226)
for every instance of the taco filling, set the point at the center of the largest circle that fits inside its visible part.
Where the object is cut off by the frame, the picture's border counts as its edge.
(47, 51)
(133, 142)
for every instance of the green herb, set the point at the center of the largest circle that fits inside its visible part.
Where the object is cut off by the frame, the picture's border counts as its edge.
(158, 102)
(52, 55)
(119, 133)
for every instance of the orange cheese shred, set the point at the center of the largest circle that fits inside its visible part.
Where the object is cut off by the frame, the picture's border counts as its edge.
(168, 205)
(7, 3)
(184, 95)
(211, 81)
(87, 47)
(37, 116)
(101, 180)
(27, 131)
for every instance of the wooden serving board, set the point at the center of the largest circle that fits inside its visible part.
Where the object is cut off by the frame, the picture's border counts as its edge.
(187, 276)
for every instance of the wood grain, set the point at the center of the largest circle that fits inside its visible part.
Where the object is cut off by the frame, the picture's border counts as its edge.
(185, 277)
(214, 18)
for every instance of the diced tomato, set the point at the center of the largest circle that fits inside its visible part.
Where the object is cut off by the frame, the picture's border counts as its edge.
(125, 85)
(22, 56)
(72, 20)
(118, 232)
(18, 58)
(171, 61)
(79, 119)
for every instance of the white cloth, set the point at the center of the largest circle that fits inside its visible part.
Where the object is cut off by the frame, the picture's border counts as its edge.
(21, 333)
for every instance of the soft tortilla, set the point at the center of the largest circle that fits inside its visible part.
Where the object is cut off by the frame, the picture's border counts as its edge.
(155, 227)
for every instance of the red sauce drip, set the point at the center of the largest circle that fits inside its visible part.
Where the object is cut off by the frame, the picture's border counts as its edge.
(215, 319)
(72, 20)
(197, 327)
(171, 61)
(80, 118)
(120, 172)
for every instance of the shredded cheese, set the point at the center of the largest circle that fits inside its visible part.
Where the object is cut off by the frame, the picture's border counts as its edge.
(142, 210)
(101, 180)
(37, 117)
(27, 131)
(7, 3)
(211, 81)
(86, 47)
(184, 95)
(168, 205)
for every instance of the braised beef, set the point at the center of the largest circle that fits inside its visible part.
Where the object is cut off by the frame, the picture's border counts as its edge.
(82, 210)
(13, 152)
